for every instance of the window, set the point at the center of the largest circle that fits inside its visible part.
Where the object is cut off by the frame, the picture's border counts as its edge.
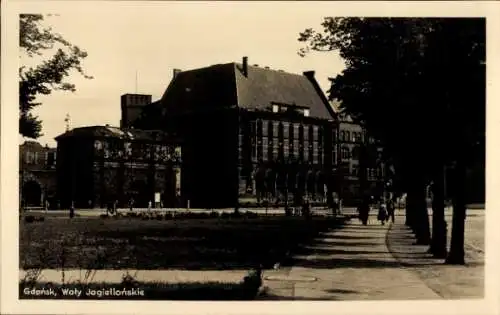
(276, 125)
(348, 136)
(259, 128)
(320, 137)
(306, 112)
(359, 137)
(286, 130)
(296, 131)
(315, 152)
(265, 130)
(345, 153)
(342, 135)
(285, 150)
(271, 131)
(264, 148)
(354, 170)
(276, 108)
(355, 153)
(305, 151)
(259, 150)
(275, 150)
(334, 135)
(280, 132)
(306, 133)
(315, 133)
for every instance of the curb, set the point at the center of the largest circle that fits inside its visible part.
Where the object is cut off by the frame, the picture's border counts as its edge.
(402, 263)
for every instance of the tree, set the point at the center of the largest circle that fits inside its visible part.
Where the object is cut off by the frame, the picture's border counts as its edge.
(402, 83)
(49, 75)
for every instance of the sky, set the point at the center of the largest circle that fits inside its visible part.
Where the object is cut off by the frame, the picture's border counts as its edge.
(154, 38)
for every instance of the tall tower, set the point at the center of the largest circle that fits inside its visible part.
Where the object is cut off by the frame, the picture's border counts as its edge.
(132, 106)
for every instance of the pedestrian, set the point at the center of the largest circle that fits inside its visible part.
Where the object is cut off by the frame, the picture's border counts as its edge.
(72, 210)
(364, 210)
(131, 204)
(115, 207)
(149, 206)
(46, 205)
(382, 212)
(391, 208)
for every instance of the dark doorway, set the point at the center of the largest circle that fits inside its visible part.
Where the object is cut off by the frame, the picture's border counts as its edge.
(139, 192)
(32, 194)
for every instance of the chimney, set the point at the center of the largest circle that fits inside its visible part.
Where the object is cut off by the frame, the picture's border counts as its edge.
(245, 66)
(175, 73)
(309, 74)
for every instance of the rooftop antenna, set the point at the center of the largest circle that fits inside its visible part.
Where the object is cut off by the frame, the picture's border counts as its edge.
(67, 120)
(136, 81)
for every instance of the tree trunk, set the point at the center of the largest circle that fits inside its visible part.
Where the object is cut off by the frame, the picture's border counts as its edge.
(438, 244)
(422, 215)
(410, 209)
(457, 252)
(417, 210)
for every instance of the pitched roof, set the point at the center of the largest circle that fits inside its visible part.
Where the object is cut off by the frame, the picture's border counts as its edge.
(342, 116)
(115, 132)
(226, 85)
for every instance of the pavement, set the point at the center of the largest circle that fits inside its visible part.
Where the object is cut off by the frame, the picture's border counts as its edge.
(375, 262)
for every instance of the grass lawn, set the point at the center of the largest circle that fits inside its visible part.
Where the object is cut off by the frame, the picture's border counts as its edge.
(194, 244)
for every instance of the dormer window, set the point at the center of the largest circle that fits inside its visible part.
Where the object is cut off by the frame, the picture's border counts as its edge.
(306, 112)
(276, 108)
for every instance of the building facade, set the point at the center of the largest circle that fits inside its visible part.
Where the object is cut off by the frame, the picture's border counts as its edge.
(358, 171)
(98, 165)
(249, 134)
(37, 174)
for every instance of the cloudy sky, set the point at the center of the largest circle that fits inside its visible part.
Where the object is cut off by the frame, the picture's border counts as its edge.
(153, 38)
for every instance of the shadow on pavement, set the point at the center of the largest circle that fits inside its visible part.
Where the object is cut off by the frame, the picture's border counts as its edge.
(347, 237)
(342, 291)
(333, 251)
(335, 263)
(327, 242)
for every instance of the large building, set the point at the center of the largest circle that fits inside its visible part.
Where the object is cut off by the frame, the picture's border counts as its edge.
(351, 168)
(37, 174)
(248, 133)
(98, 165)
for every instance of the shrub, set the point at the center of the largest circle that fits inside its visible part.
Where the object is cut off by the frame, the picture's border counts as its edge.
(29, 218)
(104, 216)
(250, 214)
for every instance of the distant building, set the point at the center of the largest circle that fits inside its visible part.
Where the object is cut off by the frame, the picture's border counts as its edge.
(100, 164)
(37, 174)
(249, 133)
(351, 139)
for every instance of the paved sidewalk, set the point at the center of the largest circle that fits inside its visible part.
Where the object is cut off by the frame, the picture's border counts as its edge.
(352, 263)
(451, 282)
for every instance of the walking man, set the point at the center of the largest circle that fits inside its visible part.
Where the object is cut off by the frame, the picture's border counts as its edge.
(391, 208)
